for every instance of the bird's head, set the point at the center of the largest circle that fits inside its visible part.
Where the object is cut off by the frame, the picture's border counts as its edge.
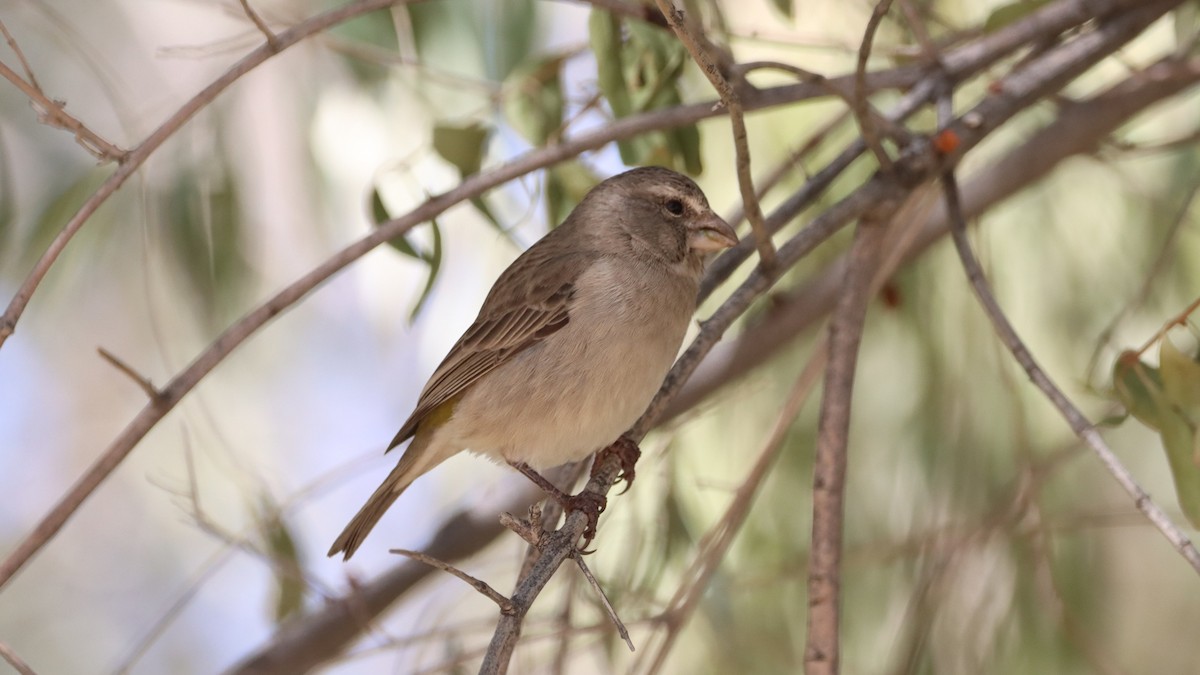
(658, 213)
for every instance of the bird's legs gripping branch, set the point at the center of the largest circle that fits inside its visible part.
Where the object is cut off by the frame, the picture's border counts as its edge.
(590, 503)
(627, 452)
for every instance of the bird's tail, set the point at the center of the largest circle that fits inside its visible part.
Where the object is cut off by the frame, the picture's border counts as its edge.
(416, 461)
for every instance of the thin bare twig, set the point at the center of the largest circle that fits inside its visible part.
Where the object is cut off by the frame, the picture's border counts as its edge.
(1177, 320)
(53, 113)
(259, 24)
(608, 608)
(480, 585)
(140, 380)
(701, 50)
(15, 661)
(1082, 427)
(12, 44)
(862, 106)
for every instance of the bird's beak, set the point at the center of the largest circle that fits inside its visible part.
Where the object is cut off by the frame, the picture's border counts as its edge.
(711, 234)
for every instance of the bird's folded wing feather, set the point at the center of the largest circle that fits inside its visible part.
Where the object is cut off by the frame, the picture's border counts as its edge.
(529, 302)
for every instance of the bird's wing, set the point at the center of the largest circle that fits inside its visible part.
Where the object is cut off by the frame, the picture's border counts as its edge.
(529, 302)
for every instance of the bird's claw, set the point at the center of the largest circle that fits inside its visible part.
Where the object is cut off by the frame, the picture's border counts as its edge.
(628, 453)
(591, 505)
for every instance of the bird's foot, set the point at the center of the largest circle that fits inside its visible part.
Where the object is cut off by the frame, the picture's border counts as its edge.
(627, 452)
(590, 503)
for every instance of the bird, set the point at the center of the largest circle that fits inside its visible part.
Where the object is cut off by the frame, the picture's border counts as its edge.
(571, 343)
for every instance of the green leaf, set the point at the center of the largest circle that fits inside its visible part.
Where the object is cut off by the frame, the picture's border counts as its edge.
(785, 7)
(60, 209)
(462, 146)
(505, 29)
(1161, 399)
(534, 100)
(604, 35)
(1139, 388)
(474, 37)
(1180, 378)
(639, 68)
(566, 184)
(375, 30)
(1179, 440)
(434, 258)
(685, 148)
(380, 215)
(204, 233)
(280, 545)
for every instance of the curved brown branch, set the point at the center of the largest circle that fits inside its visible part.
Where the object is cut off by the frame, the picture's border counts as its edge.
(1075, 418)
(862, 106)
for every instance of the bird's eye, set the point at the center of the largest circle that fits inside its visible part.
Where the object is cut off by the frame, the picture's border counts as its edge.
(674, 207)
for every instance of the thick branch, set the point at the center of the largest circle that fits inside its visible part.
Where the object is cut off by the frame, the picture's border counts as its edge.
(833, 441)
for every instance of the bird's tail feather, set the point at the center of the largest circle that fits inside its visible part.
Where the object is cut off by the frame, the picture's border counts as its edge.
(407, 470)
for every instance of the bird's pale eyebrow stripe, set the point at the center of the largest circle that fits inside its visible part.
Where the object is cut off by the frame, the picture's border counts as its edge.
(674, 193)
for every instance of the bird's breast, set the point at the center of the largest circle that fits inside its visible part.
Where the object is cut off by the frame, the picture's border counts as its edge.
(581, 387)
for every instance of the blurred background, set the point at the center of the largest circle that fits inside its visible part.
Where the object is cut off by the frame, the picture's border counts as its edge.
(981, 537)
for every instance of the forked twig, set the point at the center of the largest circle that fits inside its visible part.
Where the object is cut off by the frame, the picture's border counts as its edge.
(608, 608)
(140, 380)
(480, 585)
